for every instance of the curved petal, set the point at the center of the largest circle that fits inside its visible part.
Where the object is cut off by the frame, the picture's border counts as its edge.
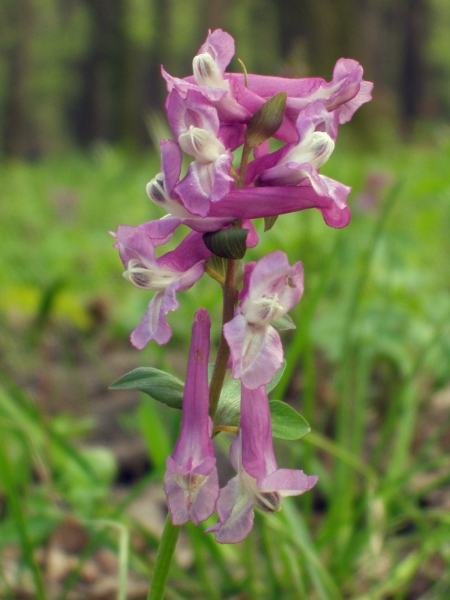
(205, 184)
(256, 352)
(182, 86)
(185, 258)
(272, 275)
(288, 482)
(153, 325)
(235, 511)
(220, 45)
(171, 161)
(193, 110)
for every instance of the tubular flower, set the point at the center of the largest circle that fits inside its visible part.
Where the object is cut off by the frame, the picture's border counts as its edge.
(173, 272)
(300, 162)
(259, 482)
(271, 289)
(191, 483)
(237, 98)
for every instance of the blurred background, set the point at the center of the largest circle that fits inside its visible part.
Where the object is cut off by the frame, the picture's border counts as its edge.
(81, 114)
(74, 72)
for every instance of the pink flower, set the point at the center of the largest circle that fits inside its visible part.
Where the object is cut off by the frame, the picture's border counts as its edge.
(173, 272)
(237, 102)
(259, 482)
(191, 483)
(271, 289)
(299, 162)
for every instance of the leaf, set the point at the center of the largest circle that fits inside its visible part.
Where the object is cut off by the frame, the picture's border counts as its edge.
(269, 222)
(216, 267)
(229, 409)
(284, 323)
(158, 384)
(270, 386)
(287, 423)
(227, 243)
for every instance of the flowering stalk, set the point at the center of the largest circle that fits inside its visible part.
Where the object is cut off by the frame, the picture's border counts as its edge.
(211, 114)
(164, 557)
(223, 351)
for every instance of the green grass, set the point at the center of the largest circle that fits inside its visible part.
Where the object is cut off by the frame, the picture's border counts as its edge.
(370, 352)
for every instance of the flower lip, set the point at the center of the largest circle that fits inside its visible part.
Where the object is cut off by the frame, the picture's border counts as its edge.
(142, 277)
(155, 189)
(315, 149)
(263, 311)
(268, 502)
(201, 144)
(206, 71)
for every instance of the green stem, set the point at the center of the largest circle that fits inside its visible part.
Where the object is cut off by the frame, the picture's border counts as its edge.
(240, 182)
(223, 351)
(163, 560)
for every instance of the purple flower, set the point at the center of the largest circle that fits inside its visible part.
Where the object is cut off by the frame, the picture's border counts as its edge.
(196, 127)
(271, 289)
(191, 483)
(173, 272)
(346, 92)
(237, 101)
(259, 482)
(300, 161)
(249, 203)
(162, 190)
(209, 77)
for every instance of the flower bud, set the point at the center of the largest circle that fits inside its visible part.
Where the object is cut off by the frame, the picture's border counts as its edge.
(227, 243)
(266, 121)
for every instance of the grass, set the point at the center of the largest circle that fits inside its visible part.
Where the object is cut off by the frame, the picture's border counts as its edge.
(367, 367)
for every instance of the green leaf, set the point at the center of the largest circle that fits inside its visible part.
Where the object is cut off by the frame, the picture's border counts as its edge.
(227, 243)
(229, 407)
(269, 222)
(158, 384)
(284, 323)
(287, 423)
(217, 268)
(270, 386)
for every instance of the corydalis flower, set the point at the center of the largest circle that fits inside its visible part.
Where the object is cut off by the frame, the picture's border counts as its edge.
(299, 162)
(173, 272)
(191, 483)
(271, 289)
(237, 99)
(196, 127)
(259, 482)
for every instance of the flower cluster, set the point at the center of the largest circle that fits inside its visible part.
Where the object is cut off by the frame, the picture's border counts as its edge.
(212, 114)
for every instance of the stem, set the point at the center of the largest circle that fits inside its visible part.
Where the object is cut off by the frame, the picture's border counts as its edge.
(163, 560)
(240, 183)
(223, 351)
(229, 304)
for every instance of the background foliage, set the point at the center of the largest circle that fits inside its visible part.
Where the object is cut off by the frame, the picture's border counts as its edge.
(76, 71)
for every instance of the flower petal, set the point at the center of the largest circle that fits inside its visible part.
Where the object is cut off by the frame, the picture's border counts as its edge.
(256, 351)
(153, 325)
